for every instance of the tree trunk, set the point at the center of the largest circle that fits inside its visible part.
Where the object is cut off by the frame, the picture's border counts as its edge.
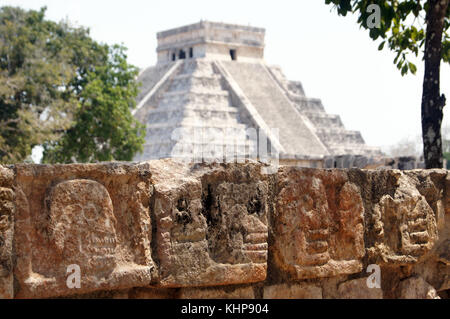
(432, 101)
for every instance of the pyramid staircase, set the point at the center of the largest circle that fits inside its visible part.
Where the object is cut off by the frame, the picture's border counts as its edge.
(328, 127)
(194, 116)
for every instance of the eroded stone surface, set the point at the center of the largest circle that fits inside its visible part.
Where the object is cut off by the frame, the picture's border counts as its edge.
(217, 293)
(211, 224)
(293, 291)
(6, 232)
(82, 224)
(358, 289)
(431, 185)
(404, 224)
(319, 229)
(93, 216)
(164, 229)
(152, 293)
(417, 288)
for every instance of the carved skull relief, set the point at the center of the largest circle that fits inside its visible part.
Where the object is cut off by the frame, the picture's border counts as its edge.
(102, 225)
(82, 224)
(349, 214)
(311, 235)
(215, 234)
(181, 235)
(237, 222)
(319, 226)
(405, 227)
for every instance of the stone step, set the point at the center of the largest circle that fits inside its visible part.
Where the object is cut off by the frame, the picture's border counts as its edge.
(182, 93)
(296, 88)
(218, 151)
(196, 75)
(336, 140)
(176, 98)
(149, 77)
(354, 149)
(158, 135)
(332, 133)
(200, 115)
(324, 120)
(196, 124)
(193, 116)
(198, 67)
(349, 146)
(196, 83)
(199, 108)
(197, 150)
(308, 104)
(274, 107)
(229, 143)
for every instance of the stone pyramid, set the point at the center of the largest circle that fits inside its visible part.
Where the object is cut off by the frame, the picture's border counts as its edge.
(211, 95)
(194, 115)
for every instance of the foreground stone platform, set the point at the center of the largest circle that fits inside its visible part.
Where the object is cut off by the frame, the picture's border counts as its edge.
(164, 229)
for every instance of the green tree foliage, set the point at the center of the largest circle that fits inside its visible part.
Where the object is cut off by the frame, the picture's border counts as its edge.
(401, 27)
(104, 128)
(405, 27)
(61, 89)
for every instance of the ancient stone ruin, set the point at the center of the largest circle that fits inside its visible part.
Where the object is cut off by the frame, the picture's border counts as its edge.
(211, 93)
(166, 229)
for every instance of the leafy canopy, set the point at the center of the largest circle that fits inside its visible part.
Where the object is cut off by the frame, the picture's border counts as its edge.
(402, 27)
(61, 89)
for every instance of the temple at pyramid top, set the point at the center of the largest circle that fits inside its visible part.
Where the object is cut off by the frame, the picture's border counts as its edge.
(211, 95)
(212, 40)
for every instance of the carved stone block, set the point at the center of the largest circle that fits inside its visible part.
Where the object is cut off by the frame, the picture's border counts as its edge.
(358, 289)
(405, 226)
(6, 233)
(211, 225)
(95, 217)
(318, 224)
(152, 293)
(217, 293)
(293, 291)
(417, 288)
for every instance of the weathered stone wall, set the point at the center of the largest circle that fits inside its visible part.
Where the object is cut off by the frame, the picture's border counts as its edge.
(163, 229)
(375, 162)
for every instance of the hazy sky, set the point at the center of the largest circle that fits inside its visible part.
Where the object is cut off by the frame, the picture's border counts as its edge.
(334, 59)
